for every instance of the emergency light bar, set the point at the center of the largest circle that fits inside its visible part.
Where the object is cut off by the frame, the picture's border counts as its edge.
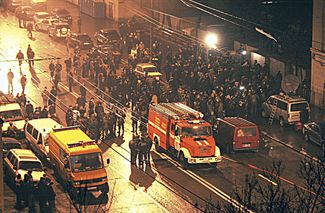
(81, 143)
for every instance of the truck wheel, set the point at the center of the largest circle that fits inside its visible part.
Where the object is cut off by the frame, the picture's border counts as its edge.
(183, 160)
(157, 147)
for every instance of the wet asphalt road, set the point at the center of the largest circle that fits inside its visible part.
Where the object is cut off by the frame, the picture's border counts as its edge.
(165, 186)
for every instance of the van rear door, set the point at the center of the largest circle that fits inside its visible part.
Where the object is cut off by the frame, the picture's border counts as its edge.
(246, 138)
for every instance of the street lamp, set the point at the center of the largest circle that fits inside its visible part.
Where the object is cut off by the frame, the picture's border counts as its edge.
(211, 41)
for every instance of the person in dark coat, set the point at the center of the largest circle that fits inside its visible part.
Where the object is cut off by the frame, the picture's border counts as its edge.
(44, 113)
(70, 81)
(19, 192)
(29, 108)
(41, 192)
(133, 145)
(53, 94)
(142, 151)
(148, 141)
(52, 70)
(51, 197)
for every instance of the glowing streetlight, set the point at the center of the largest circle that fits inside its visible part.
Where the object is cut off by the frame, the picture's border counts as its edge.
(211, 40)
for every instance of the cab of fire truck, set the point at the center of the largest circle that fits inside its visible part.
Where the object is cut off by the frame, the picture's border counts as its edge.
(195, 142)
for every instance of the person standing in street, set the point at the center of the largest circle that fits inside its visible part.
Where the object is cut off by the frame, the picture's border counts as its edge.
(53, 94)
(20, 57)
(41, 192)
(51, 197)
(10, 76)
(134, 149)
(45, 96)
(148, 142)
(143, 151)
(52, 70)
(23, 81)
(19, 192)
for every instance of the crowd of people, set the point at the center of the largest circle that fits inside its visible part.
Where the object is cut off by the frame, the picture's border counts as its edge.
(27, 193)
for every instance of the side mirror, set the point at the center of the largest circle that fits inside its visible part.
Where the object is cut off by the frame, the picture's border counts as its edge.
(108, 161)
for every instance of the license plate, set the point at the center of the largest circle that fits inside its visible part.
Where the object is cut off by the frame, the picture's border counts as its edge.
(92, 188)
(246, 145)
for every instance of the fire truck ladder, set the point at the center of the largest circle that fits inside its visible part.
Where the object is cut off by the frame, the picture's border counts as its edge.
(273, 112)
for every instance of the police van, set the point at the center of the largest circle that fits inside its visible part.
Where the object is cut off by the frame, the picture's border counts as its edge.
(37, 134)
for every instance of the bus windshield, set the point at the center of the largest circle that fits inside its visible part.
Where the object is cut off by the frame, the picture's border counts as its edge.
(246, 132)
(86, 162)
(196, 131)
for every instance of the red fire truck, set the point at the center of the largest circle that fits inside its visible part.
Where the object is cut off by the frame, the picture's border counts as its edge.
(181, 131)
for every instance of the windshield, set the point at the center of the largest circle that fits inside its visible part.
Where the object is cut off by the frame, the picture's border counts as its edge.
(112, 35)
(246, 132)
(298, 107)
(196, 131)
(30, 165)
(86, 162)
(150, 69)
(12, 115)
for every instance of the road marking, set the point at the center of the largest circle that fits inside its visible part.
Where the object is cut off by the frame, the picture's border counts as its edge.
(207, 184)
(263, 177)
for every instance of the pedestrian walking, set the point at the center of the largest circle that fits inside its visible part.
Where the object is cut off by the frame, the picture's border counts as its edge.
(52, 70)
(23, 81)
(10, 77)
(18, 188)
(20, 57)
(29, 28)
(45, 96)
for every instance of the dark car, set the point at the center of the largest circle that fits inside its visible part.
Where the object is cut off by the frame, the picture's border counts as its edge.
(9, 143)
(62, 15)
(107, 37)
(82, 40)
(315, 132)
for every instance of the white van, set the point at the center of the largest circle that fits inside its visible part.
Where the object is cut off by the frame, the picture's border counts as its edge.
(37, 133)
